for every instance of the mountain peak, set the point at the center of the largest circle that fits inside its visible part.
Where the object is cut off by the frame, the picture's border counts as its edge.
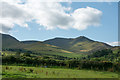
(83, 38)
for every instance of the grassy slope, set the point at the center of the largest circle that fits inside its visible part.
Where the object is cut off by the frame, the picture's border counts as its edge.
(18, 71)
(78, 45)
(71, 46)
(35, 46)
(9, 41)
(114, 56)
(86, 47)
(49, 49)
(46, 50)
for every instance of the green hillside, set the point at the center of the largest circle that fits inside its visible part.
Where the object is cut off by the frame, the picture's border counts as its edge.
(78, 45)
(38, 47)
(112, 55)
(72, 47)
(42, 48)
(9, 41)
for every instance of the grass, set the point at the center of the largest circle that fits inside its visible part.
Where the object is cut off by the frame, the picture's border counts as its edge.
(38, 72)
(62, 53)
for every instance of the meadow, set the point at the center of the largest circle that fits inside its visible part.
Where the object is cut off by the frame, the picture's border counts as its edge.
(40, 72)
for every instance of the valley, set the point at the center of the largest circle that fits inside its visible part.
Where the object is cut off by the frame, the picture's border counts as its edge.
(80, 55)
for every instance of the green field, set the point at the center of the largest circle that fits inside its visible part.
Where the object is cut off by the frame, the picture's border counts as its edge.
(39, 72)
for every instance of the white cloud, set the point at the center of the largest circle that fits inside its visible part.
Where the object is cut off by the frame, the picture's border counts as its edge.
(11, 15)
(5, 25)
(85, 17)
(114, 43)
(50, 15)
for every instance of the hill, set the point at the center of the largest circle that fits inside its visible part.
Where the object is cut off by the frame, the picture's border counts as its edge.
(37, 47)
(112, 54)
(57, 46)
(9, 42)
(29, 42)
(80, 44)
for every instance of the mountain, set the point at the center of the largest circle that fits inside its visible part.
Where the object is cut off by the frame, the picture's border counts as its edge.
(80, 44)
(56, 46)
(29, 42)
(9, 42)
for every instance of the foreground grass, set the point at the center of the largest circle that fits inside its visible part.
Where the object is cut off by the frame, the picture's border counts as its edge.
(38, 72)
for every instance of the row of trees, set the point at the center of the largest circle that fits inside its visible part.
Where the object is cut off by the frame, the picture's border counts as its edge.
(100, 60)
(105, 55)
(79, 64)
(101, 53)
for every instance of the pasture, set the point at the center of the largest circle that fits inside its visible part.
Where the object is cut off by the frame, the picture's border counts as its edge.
(39, 72)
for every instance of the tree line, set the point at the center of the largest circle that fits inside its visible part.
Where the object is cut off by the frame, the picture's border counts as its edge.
(99, 60)
(79, 64)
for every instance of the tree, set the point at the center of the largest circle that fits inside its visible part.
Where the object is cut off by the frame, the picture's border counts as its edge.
(27, 54)
(18, 54)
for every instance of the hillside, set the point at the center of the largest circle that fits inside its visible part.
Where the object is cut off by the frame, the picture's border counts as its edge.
(46, 49)
(78, 45)
(29, 42)
(9, 42)
(57, 46)
(112, 54)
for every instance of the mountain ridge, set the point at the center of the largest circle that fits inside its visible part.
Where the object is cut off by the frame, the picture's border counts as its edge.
(80, 44)
(38, 48)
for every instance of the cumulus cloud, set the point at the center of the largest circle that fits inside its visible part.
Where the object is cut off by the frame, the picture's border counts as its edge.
(85, 17)
(114, 43)
(50, 15)
(11, 15)
(5, 25)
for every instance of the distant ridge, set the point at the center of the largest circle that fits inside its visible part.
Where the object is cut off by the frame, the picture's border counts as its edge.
(80, 44)
(9, 41)
(36, 47)
(29, 42)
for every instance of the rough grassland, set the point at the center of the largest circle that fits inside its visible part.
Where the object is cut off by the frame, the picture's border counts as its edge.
(38, 72)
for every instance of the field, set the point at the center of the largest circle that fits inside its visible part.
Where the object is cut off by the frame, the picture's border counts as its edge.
(48, 53)
(39, 72)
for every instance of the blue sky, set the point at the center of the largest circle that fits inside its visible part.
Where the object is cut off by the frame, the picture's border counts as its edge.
(106, 32)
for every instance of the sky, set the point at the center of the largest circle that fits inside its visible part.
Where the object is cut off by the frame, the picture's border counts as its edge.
(33, 20)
